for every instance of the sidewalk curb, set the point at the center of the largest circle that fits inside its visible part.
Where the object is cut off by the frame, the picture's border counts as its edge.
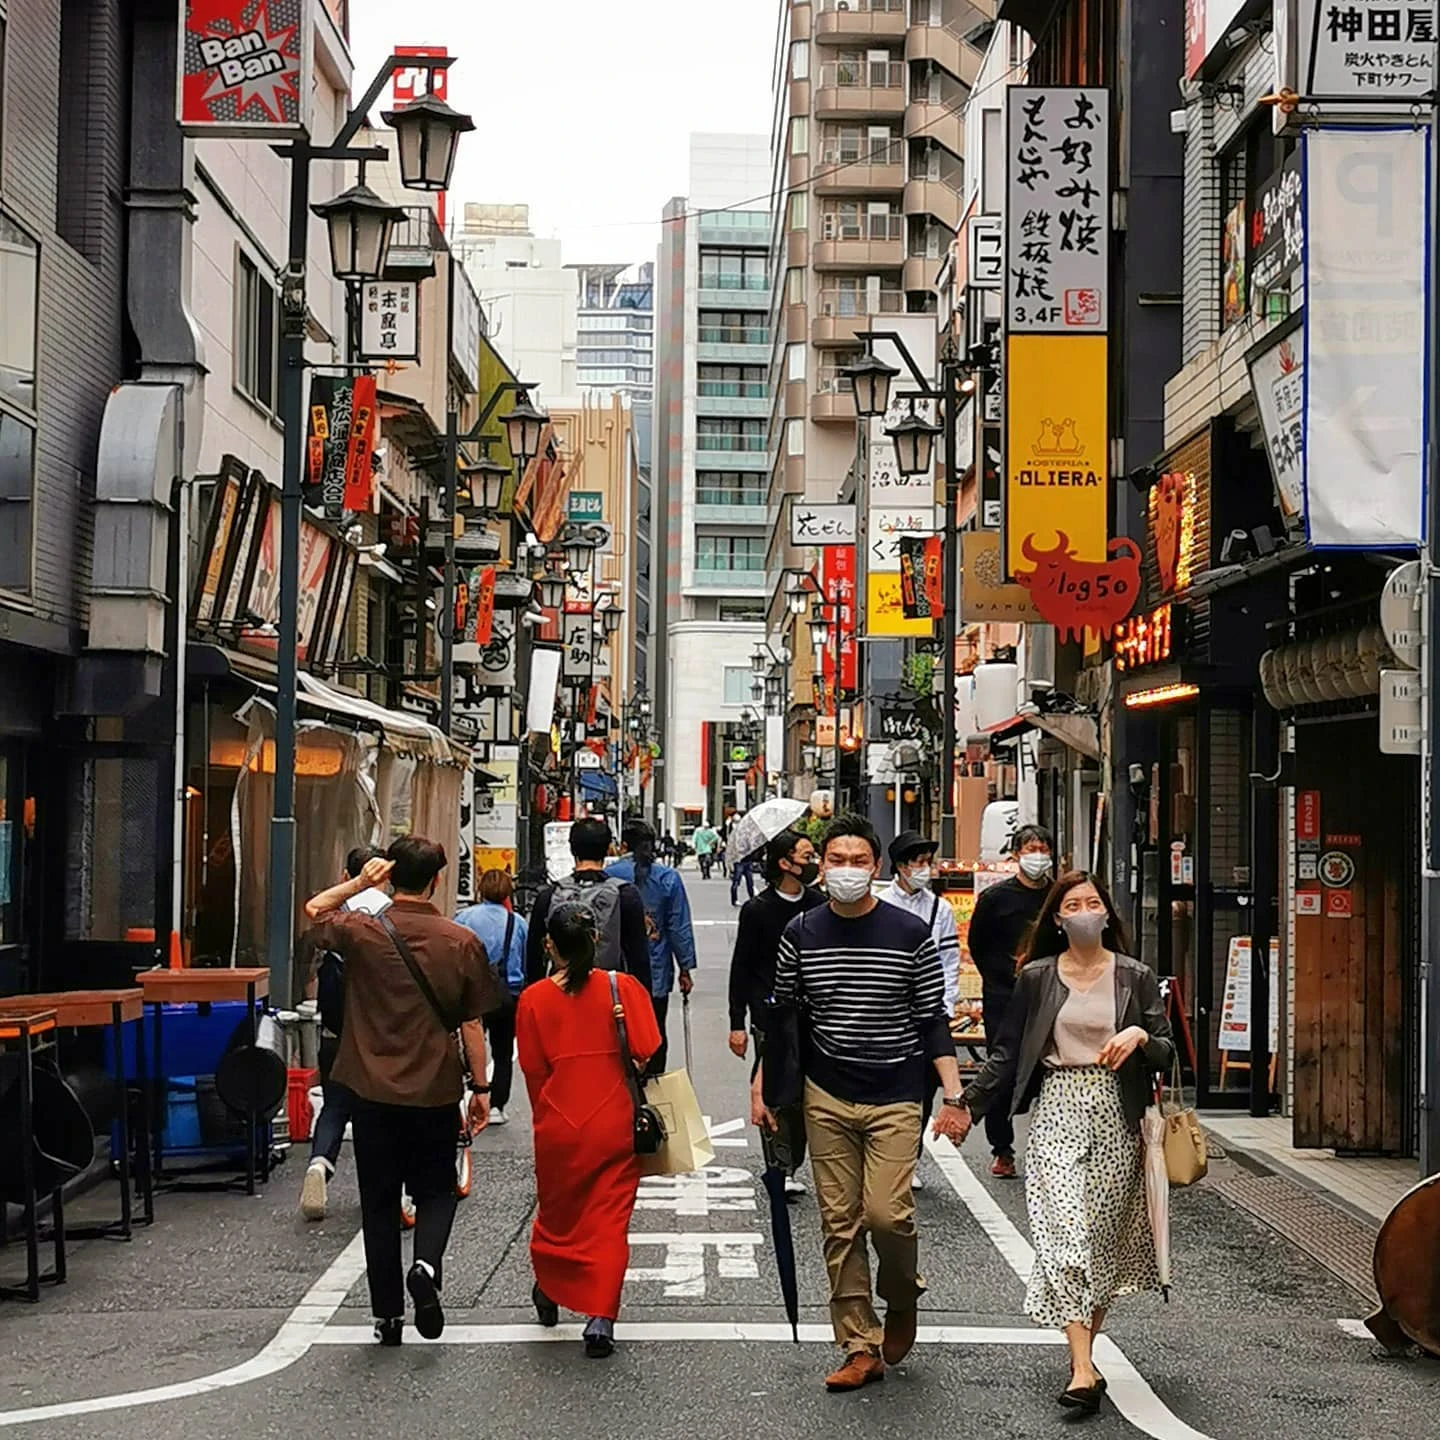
(1265, 1163)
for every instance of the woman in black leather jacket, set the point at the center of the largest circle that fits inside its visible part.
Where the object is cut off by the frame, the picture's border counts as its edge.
(1081, 1042)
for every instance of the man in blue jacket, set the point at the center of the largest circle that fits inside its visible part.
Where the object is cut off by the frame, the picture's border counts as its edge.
(667, 921)
(504, 935)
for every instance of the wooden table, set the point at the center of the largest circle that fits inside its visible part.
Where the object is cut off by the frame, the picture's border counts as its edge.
(112, 1010)
(24, 1030)
(192, 987)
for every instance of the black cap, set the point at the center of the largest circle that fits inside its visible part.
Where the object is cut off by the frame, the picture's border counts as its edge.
(910, 843)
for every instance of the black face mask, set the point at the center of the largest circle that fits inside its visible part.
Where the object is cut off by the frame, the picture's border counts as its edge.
(809, 872)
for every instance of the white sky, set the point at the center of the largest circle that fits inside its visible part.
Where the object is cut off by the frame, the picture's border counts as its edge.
(585, 108)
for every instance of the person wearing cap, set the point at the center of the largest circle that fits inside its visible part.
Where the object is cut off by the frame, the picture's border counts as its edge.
(999, 932)
(912, 858)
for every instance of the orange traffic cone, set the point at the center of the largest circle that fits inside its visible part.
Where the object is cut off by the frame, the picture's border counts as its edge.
(177, 954)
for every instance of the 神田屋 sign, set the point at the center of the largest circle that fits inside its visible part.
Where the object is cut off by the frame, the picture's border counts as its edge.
(245, 66)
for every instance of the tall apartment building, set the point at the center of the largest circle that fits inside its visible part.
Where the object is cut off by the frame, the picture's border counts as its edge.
(712, 404)
(527, 295)
(615, 339)
(867, 151)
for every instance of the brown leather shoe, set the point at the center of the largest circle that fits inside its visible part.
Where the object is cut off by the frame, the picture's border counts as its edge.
(899, 1334)
(857, 1372)
(1004, 1167)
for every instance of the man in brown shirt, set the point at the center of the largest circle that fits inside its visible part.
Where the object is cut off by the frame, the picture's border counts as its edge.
(399, 1056)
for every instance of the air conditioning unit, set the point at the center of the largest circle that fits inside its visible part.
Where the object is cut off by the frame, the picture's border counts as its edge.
(842, 4)
(1039, 657)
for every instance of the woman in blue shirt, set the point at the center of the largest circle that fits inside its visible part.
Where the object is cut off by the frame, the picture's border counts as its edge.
(503, 933)
(667, 921)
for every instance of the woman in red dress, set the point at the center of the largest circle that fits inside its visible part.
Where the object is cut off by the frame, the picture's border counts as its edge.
(586, 1172)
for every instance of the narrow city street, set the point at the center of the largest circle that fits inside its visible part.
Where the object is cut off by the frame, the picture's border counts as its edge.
(233, 1317)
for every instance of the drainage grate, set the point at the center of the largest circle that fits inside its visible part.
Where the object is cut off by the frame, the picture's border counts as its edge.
(1329, 1236)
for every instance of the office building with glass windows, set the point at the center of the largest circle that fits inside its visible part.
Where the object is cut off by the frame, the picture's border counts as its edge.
(615, 336)
(711, 465)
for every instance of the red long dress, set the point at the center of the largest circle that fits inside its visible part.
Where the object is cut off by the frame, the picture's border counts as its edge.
(586, 1172)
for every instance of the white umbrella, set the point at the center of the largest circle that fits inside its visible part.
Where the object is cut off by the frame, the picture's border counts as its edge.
(1157, 1190)
(758, 827)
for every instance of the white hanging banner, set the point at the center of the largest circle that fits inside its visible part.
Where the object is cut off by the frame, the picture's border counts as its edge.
(544, 678)
(1366, 199)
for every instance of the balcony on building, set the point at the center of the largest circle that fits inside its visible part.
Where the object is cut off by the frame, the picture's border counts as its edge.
(414, 243)
(860, 22)
(840, 314)
(733, 336)
(921, 272)
(732, 444)
(856, 163)
(853, 238)
(935, 198)
(861, 89)
(729, 562)
(722, 390)
(932, 120)
(730, 498)
(834, 397)
(734, 227)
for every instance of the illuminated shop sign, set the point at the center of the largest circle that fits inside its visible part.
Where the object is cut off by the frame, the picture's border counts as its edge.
(1149, 639)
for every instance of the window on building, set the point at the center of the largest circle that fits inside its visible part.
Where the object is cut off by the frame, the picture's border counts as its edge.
(795, 361)
(257, 335)
(794, 436)
(800, 60)
(733, 327)
(727, 269)
(739, 381)
(741, 611)
(729, 552)
(19, 284)
(799, 210)
(795, 286)
(737, 685)
(726, 434)
(800, 135)
(730, 487)
(80, 191)
(1244, 170)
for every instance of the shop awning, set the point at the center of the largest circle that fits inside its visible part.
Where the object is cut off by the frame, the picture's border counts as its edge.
(405, 734)
(1011, 729)
(1080, 732)
(598, 783)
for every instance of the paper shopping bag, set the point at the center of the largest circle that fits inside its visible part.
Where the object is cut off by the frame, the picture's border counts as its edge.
(687, 1144)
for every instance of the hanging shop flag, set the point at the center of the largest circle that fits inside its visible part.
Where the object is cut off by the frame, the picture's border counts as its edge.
(360, 445)
(921, 586)
(1058, 218)
(322, 396)
(245, 66)
(1277, 378)
(390, 320)
(485, 606)
(1366, 199)
(331, 405)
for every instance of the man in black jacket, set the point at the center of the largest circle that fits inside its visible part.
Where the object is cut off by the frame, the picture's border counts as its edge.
(999, 928)
(790, 869)
(590, 844)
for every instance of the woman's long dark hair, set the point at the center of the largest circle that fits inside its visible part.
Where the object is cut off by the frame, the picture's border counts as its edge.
(571, 929)
(1046, 938)
(639, 838)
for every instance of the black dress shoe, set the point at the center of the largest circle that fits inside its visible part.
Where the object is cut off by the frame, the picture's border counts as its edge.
(546, 1310)
(429, 1317)
(1086, 1400)
(389, 1332)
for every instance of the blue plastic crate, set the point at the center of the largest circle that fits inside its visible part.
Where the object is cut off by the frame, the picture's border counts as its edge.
(194, 1040)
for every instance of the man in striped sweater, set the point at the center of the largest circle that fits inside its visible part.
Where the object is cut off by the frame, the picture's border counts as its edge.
(866, 985)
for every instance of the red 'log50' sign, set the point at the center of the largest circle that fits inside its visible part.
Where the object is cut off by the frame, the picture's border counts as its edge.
(1075, 595)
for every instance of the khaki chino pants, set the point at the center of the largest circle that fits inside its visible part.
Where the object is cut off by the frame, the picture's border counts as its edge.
(863, 1159)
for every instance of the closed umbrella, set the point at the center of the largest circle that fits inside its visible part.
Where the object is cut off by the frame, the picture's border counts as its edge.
(783, 1239)
(689, 1053)
(1157, 1191)
(760, 825)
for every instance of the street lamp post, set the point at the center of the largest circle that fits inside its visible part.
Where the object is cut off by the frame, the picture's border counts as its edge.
(357, 221)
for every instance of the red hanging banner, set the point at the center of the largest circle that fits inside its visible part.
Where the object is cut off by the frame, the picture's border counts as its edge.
(485, 606)
(359, 470)
(838, 579)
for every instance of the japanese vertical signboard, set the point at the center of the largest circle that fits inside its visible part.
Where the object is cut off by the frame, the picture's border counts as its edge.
(485, 606)
(837, 576)
(340, 442)
(1277, 241)
(922, 591)
(1058, 221)
(1277, 377)
(1366, 201)
(390, 320)
(245, 66)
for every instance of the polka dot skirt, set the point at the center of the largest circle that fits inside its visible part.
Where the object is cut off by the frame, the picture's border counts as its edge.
(1085, 1191)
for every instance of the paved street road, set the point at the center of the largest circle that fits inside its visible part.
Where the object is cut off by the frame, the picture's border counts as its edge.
(250, 1323)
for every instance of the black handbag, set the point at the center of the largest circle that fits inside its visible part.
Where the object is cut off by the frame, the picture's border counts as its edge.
(649, 1128)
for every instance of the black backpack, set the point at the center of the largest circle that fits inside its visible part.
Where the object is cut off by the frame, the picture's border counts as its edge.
(330, 990)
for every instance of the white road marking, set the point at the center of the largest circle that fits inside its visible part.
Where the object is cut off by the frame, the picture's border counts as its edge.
(684, 1331)
(1356, 1329)
(717, 1187)
(683, 1271)
(1128, 1389)
(722, 1136)
(304, 1327)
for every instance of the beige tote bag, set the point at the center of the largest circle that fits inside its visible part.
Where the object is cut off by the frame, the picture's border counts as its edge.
(1186, 1158)
(687, 1144)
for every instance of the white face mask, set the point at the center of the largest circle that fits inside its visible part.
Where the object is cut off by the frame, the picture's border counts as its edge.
(847, 884)
(1035, 866)
(920, 877)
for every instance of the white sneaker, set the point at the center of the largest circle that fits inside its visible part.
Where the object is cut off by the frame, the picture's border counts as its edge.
(794, 1186)
(498, 1116)
(312, 1192)
(917, 1183)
